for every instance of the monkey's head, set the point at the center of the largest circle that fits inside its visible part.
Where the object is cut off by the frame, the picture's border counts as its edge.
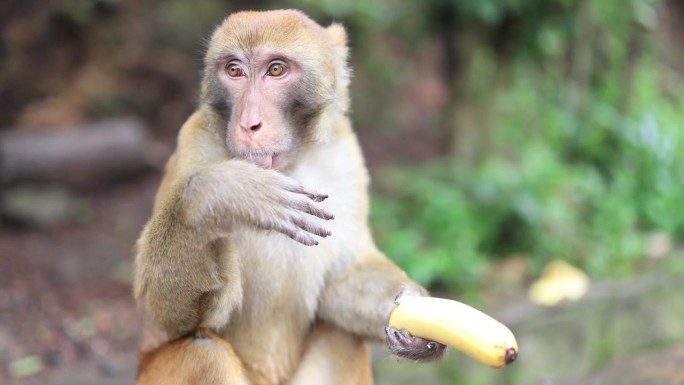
(277, 79)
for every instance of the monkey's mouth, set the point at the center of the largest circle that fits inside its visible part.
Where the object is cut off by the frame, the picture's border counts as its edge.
(267, 160)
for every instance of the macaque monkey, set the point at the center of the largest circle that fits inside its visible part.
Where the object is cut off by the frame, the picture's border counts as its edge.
(258, 265)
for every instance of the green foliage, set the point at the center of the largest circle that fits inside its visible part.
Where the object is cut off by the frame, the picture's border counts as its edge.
(362, 17)
(82, 13)
(582, 178)
(178, 23)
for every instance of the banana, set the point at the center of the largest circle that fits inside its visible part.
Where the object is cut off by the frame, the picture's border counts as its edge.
(456, 325)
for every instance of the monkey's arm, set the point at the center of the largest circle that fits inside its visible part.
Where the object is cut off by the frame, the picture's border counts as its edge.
(203, 197)
(361, 300)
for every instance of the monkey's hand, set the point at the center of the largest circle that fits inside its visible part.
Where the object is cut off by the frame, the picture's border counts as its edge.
(238, 191)
(403, 344)
(293, 216)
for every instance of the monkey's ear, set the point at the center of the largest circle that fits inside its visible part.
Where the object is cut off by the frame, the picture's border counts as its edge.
(338, 38)
(338, 34)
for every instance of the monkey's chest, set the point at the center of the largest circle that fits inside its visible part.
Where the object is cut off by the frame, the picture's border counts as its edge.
(281, 282)
(283, 277)
(279, 274)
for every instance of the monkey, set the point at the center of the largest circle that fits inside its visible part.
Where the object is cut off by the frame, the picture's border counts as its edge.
(257, 265)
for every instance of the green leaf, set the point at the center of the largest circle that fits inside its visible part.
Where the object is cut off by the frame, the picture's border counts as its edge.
(26, 366)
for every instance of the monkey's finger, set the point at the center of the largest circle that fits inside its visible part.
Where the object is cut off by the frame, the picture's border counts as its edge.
(318, 212)
(296, 187)
(311, 208)
(311, 227)
(304, 239)
(295, 233)
(316, 196)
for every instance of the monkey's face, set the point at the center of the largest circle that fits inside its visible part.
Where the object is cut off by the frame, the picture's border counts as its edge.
(271, 76)
(258, 87)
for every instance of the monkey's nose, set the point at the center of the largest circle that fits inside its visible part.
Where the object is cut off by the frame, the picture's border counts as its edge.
(250, 127)
(250, 120)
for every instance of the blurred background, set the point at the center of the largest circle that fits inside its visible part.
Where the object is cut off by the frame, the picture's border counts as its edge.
(527, 158)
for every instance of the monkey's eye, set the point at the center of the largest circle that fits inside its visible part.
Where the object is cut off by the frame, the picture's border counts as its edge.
(234, 70)
(277, 69)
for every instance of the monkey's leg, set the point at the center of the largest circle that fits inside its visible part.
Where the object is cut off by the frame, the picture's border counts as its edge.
(361, 300)
(201, 359)
(333, 357)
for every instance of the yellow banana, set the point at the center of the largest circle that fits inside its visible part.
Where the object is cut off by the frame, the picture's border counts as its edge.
(456, 325)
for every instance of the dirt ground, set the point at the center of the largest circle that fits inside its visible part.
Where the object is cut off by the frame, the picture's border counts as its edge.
(65, 293)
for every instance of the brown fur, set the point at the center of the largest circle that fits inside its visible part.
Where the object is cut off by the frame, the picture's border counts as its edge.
(201, 359)
(222, 270)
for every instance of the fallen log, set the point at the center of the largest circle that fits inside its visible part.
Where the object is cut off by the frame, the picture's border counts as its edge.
(97, 153)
